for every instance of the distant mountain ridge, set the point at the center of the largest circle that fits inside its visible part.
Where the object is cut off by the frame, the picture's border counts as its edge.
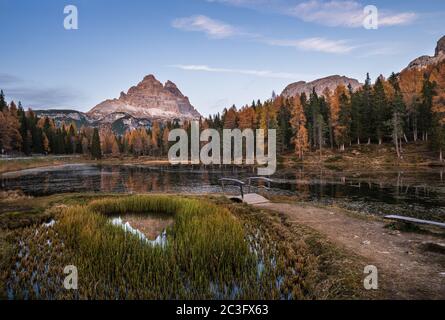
(65, 115)
(144, 103)
(331, 82)
(118, 122)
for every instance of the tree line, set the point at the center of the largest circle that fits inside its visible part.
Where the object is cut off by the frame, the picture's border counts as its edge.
(384, 111)
(25, 133)
(405, 107)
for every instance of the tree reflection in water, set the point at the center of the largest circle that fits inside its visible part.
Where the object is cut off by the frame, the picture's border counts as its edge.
(417, 192)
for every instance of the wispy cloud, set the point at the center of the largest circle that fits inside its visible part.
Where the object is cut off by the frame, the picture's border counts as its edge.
(397, 19)
(240, 2)
(256, 73)
(334, 13)
(6, 79)
(222, 30)
(315, 44)
(344, 13)
(257, 4)
(35, 95)
(213, 28)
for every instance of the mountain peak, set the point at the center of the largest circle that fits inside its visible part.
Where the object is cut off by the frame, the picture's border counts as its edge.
(150, 78)
(149, 99)
(170, 84)
(425, 61)
(440, 48)
(171, 87)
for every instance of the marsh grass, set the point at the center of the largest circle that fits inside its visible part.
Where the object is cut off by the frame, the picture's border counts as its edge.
(207, 255)
(309, 266)
(215, 250)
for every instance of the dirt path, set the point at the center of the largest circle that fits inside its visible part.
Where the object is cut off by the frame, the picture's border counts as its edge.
(406, 270)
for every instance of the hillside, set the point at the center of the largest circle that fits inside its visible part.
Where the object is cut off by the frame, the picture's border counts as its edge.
(319, 85)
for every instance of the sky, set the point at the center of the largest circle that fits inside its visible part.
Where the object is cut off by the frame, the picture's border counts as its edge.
(218, 52)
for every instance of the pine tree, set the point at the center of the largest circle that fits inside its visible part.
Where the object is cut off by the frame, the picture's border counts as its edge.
(368, 111)
(425, 107)
(284, 128)
(71, 138)
(357, 116)
(344, 120)
(438, 131)
(327, 94)
(314, 110)
(45, 142)
(397, 123)
(382, 110)
(24, 131)
(96, 151)
(3, 104)
(36, 132)
(398, 113)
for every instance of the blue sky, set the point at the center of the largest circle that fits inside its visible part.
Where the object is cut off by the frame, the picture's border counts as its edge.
(218, 52)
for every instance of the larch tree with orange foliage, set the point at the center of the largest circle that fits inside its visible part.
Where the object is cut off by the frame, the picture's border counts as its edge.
(411, 83)
(438, 110)
(247, 118)
(165, 141)
(340, 116)
(298, 123)
(155, 135)
(230, 118)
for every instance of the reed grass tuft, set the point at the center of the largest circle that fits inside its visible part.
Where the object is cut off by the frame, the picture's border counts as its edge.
(207, 255)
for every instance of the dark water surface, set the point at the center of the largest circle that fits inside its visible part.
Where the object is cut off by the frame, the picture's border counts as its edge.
(413, 192)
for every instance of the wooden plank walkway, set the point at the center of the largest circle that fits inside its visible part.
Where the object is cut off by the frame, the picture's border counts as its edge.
(250, 198)
(414, 220)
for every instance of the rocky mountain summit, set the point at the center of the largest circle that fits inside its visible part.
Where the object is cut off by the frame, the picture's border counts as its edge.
(320, 85)
(144, 103)
(423, 62)
(147, 100)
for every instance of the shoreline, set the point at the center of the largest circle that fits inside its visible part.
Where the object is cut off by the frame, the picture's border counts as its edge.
(13, 165)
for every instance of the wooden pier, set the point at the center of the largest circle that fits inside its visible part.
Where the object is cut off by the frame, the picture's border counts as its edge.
(249, 198)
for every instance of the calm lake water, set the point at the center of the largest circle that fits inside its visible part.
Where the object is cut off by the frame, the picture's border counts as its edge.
(419, 193)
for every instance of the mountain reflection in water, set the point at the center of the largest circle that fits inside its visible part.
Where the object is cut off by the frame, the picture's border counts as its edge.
(415, 192)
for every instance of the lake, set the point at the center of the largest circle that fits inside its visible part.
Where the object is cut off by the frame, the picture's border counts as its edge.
(413, 192)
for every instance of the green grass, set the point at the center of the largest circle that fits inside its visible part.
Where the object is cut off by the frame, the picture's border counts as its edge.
(206, 256)
(34, 162)
(325, 271)
(215, 250)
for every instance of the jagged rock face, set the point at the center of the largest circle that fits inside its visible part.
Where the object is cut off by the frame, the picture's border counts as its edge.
(148, 100)
(320, 85)
(440, 46)
(64, 116)
(426, 61)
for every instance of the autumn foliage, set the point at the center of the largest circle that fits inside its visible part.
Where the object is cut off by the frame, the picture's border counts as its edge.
(409, 106)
